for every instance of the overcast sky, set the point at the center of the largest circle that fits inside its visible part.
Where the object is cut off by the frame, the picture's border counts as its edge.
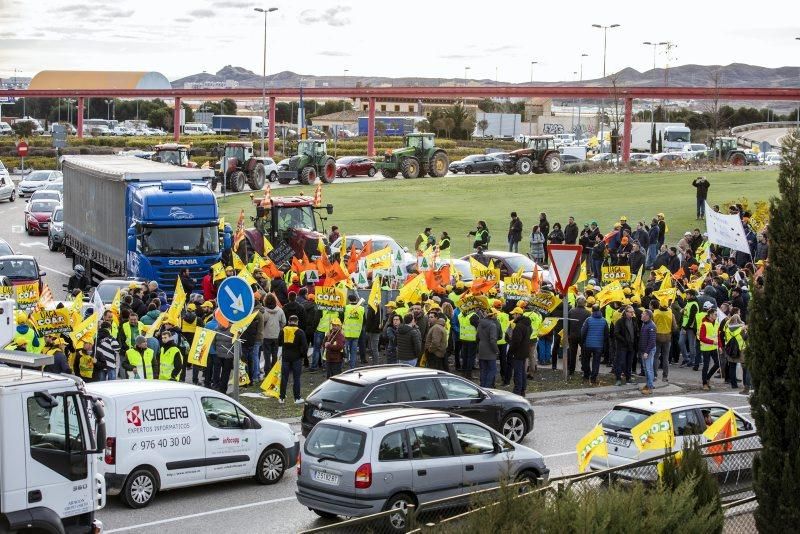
(380, 38)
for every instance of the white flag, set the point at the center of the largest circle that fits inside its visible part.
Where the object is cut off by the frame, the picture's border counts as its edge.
(726, 230)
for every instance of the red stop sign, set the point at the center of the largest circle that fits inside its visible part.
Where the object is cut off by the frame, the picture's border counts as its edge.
(22, 149)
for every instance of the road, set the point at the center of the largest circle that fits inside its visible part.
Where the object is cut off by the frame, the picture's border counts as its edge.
(773, 135)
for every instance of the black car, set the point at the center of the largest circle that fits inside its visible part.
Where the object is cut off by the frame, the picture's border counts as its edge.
(418, 387)
(751, 158)
(476, 163)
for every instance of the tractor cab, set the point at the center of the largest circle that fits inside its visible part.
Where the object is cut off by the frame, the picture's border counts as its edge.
(173, 154)
(419, 142)
(313, 148)
(292, 219)
(725, 144)
(542, 143)
(240, 151)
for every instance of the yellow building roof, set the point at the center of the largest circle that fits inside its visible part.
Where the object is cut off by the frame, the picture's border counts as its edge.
(82, 79)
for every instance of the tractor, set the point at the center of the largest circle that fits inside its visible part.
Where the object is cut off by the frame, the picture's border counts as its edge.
(311, 160)
(539, 155)
(242, 167)
(173, 154)
(418, 157)
(727, 149)
(292, 219)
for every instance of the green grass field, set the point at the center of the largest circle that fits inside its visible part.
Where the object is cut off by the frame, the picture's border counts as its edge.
(402, 208)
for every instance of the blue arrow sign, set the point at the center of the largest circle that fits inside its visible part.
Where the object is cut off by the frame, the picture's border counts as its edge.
(235, 299)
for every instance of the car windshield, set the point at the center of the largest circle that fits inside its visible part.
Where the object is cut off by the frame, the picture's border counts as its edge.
(108, 290)
(335, 391)
(179, 241)
(42, 207)
(58, 215)
(335, 443)
(46, 195)
(38, 176)
(515, 262)
(55, 186)
(17, 269)
(623, 418)
(683, 136)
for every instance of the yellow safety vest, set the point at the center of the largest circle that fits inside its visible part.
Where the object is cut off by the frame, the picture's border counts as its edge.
(188, 327)
(698, 321)
(504, 320)
(130, 337)
(401, 312)
(288, 334)
(86, 365)
(536, 322)
(423, 241)
(467, 332)
(325, 321)
(444, 248)
(687, 311)
(167, 363)
(353, 321)
(737, 336)
(608, 313)
(143, 361)
(711, 333)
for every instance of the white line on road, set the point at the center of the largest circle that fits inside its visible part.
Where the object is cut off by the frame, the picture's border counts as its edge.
(559, 454)
(200, 514)
(45, 267)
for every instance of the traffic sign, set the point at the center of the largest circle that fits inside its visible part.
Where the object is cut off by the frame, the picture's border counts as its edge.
(765, 146)
(22, 148)
(235, 298)
(564, 261)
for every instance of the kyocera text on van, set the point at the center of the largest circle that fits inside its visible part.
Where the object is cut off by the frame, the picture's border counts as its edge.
(163, 435)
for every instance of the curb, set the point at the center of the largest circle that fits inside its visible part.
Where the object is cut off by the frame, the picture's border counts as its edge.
(603, 390)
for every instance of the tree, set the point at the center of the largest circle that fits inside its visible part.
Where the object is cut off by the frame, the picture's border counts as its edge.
(23, 128)
(463, 122)
(660, 143)
(228, 106)
(482, 125)
(380, 128)
(160, 118)
(773, 356)
(653, 140)
(189, 113)
(423, 126)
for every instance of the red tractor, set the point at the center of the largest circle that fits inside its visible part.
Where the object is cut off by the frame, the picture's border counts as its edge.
(242, 167)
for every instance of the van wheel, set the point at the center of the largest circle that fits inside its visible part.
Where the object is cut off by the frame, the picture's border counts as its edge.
(271, 466)
(531, 477)
(323, 515)
(140, 488)
(398, 521)
(13, 196)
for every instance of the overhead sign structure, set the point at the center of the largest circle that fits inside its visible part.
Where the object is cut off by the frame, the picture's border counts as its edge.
(565, 261)
(235, 299)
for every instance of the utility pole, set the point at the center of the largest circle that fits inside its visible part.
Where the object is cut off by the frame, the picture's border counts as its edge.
(344, 84)
(652, 102)
(603, 108)
(264, 76)
(580, 101)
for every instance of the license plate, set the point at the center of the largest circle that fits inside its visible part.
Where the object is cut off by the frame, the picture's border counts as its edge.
(326, 478)
(622, 442)
(43, 225)
(321, 414)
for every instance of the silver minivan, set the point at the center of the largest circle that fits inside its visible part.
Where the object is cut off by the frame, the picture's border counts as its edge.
(362, 462)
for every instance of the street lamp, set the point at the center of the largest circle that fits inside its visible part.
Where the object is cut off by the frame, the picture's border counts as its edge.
(652, 102)
(580, 101)
(603, 110)
(532, 64)
(465, 75)
(264, 74)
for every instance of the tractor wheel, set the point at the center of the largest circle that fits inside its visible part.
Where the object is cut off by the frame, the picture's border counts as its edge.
(737, 158)
(524, 165)
(257, 177)
(552, 163)
(389, 173)
(237, 181)
(328, 171)
(410, 168)
(308, 176)
(437, 166)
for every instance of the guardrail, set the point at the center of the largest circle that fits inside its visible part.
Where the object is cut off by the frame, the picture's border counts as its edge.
(763, 125)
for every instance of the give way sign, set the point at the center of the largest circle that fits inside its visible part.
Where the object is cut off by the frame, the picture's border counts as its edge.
(565, 261)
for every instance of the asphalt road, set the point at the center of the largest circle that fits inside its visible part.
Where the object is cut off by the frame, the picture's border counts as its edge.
(773, 135)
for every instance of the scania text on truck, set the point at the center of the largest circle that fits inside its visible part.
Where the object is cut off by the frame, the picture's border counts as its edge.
(130, 217)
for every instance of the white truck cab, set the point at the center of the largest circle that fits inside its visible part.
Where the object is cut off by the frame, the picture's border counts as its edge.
(49, 434)
(164, 435)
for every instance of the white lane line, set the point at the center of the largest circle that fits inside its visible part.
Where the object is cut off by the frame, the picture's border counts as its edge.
(200, 514)
(16, 229)
(46, 268)
(559, 454)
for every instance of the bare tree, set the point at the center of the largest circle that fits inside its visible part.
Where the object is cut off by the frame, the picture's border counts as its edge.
(712, 108)
(616, 97)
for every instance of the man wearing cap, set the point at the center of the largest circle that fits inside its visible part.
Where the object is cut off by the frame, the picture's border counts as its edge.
(519, 347)
(294, 347)
(334, 343)
(54, 346)
(514, 232)
(353, 324)
(707, 335)
(624, 226)
(141, 360)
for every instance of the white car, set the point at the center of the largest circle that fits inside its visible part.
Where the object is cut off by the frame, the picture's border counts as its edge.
(270, 169)
(773, 159)
(642, 158)
(8, 190)
(378, 242)
(689, 415)
(36, 180)
(5, 129)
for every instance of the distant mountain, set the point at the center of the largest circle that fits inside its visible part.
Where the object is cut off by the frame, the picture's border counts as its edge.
(733, 75)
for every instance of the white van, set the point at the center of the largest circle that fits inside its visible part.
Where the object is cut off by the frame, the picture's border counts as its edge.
(163, 435)
(196, 128)
(5, 129)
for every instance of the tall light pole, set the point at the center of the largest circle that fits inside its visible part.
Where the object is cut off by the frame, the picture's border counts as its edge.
(264, 75)
(798, 106)
(344, 84)
(580, 101)
(532, 64)
(603, 110)
(465, 75)
(652, 102)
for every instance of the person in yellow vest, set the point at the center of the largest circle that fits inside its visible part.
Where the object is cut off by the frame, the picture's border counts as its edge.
(401, 308)
(422, 241)
(536, 322)
(84, 364)
(468, 334)
(735, 343)
(141, 360)
(170, 359)
(25, 336)
(709, 344)
(323, 327)
(294, 347)
(108, 316)
(54, 346)
(502, 344)
(353, 323)
(129, 332)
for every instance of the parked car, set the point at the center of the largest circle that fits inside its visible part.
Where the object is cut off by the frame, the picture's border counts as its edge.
(46, 194)
(602, 156)
(476, 163)
(20, 269)
(355, 166)
(378, 242)
(55, 233)
(5, 129)
(773, 159)
(364, 462)
(37, 216)
(58, 185)
(509, 414)
(668, 157)
(751, 158)
(688, 419)
(5, 248)
(507, 164)
(36, 180)
(103, 294)
(567, 159)
(642, 158)
(8, 191)
(509, 263)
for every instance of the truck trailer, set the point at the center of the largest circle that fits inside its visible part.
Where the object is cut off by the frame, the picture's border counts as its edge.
(673, 135)
(132, 217)
(249, 124)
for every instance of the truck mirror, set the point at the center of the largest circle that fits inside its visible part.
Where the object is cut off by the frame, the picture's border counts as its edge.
(329, 209)
(45, 400)
(131, 239)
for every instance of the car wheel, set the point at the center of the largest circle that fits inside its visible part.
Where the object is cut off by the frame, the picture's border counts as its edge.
(514, 427)
(13, 196)
(343, 174)
(140, 488)
(273, 176)
(271, 466)
(496, 170)
(51, 244)
(371, 172)
(397, 521)
(454, 172)
(468, 170)
(323, 515)
(531, 477)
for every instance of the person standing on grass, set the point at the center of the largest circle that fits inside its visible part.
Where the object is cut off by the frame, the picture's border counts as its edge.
(709, 345)
(571, 232)
(334, 343)
(544, 227)
(514, 232)
(294, 347)
(537, 245)
(436, 341)
(701, 184)
(481, 234)
(647, 349)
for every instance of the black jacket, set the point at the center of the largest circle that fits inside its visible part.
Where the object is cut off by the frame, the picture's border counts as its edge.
(626, 340)
(409, 342)
(636, 260)
(519, 346)
(295, 308)
(297, 349)
(571, 233)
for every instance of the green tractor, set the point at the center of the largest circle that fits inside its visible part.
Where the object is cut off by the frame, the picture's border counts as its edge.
(727, 149)
(311, 160)
(418, 157)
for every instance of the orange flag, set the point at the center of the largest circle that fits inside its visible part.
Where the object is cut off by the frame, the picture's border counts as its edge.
(436, 280)
(334, 274)
(352, 260)
(535, 280)
(297, 266)
(266, 202)
(367, 250)
(680, 273)
(271, 270)
(481, 286)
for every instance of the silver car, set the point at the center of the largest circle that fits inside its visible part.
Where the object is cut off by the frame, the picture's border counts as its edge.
(361, 462)
(55, 232)
(36, 180)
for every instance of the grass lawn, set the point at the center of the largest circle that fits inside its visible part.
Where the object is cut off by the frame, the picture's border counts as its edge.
(403, 208)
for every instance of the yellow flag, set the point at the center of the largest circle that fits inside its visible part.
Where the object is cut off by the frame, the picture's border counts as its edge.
(593, 443)
(222, 223)
(374, 299)
(84, 331)
(666, 296)
(723, 427)
(116, 302)
(198, 352)
(77, 303)
(547, 325)
(380, 259)
(655, 432)
(178, 302)
(584, 274)
(257, 263)
(247, 277)
(413, 290)
(150, 331)
(610, 293)
(272, 382)
(267, 246)
(219, 271)
(666, 282)
(238, 264)
(637, 286)
(342, 248)
(241, 325)
(661, 272)
(321, 248)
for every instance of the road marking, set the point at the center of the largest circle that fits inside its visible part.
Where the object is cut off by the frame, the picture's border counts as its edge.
(46, 268)
(201, 514)
(34, 244)
(559, 454)
(16, 229)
